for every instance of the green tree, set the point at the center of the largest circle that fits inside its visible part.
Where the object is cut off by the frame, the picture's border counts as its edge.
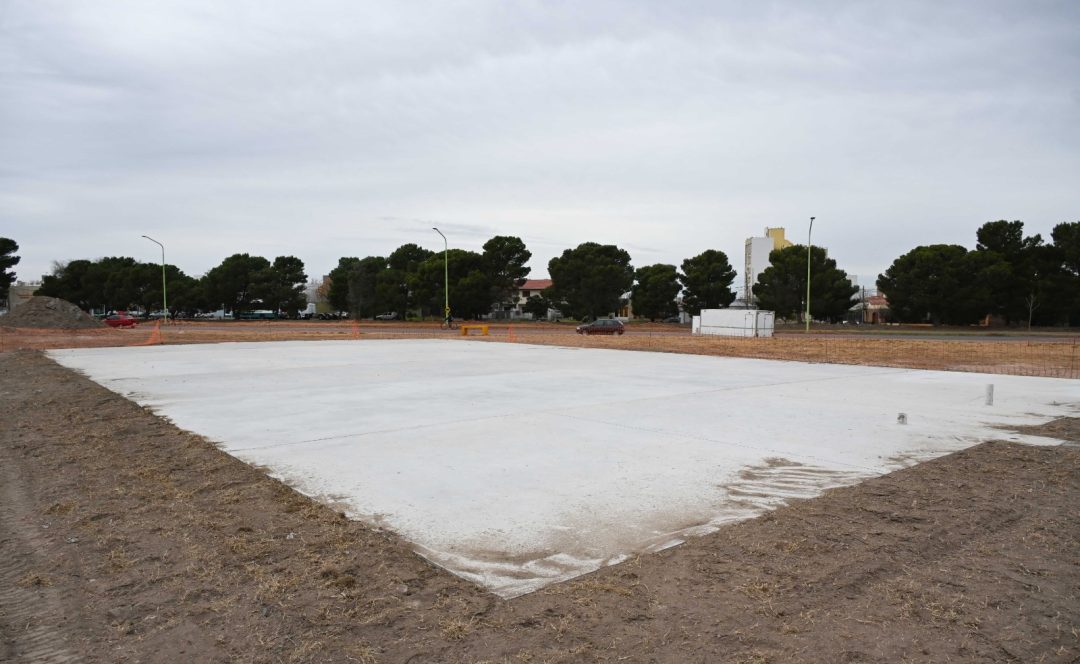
(118, 283)
(408, 258)
(127, 282)
(392, 291)
(470, 284)
(102, 284)
(8, 260)
(707, 279)
(238, 283)
(980, 277)
(1019, 290)
(185, 292)
(69, 281)
(470, 296)
(283, 285)
(943, 284)
(782, 286)
(589, 279)
(362, 283)
(139, 285)
(1006, 238)
(653, 296)
(1066, 237)
(537, 305)
(505, 257)
(1063, 288)
(338, 293)
(395, 287)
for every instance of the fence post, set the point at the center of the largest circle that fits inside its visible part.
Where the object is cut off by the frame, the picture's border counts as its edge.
(1072, 361)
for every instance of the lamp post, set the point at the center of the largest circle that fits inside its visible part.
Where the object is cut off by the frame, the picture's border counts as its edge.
(809, 233)
(164, 295)
(446, 273)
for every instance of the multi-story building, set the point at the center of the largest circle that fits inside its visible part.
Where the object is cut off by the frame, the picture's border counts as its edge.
(757, 258)
(513, 308)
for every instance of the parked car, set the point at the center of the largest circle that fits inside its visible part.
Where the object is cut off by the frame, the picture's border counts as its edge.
(389, 315)
(602, 326)
(121, 320)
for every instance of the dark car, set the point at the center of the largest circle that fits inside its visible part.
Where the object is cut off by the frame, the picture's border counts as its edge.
(121, 320)
(389, 315)
(602, 326)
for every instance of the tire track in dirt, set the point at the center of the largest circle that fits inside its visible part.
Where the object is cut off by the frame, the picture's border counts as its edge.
(32, 622)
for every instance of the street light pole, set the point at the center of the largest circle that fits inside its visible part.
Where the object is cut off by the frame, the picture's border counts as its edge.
(164, 295)
(809, 244)
(446, 273)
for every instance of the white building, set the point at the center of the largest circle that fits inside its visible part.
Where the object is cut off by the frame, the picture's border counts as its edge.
(514, 308)
(757, 258)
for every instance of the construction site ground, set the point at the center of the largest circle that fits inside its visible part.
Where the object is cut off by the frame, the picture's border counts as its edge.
(123, 538)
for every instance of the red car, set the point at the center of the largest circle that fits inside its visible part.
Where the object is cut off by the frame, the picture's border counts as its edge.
(602, 326)
(121, 320)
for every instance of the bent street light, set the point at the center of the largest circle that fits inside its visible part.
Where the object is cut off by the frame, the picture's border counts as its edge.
(808, 245)
(446, 272)
(164, 297)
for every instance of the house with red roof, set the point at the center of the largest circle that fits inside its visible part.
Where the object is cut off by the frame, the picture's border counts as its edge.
(513, 308)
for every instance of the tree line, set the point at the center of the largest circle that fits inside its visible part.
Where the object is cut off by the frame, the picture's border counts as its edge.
(1019, 279)
(241, 282)
(412, 278)
(590, 280)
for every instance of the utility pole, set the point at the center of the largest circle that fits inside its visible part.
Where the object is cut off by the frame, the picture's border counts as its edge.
(446, 274)
(809, 233)
(164, 296)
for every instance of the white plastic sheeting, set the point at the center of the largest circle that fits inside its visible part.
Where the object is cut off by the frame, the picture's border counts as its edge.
(516, 466)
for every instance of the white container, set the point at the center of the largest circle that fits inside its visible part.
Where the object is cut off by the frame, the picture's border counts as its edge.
(734, 323)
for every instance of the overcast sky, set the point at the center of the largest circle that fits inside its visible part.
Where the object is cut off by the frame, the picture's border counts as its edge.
(331, 128)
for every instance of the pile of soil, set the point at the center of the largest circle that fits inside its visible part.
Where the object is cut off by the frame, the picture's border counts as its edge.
(50, 313)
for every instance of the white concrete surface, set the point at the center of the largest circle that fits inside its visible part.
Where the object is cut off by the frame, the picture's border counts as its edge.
(516, 466)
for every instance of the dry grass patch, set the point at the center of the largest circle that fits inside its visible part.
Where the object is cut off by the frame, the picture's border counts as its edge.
(456, 629)
(35, 580)
(61, 508)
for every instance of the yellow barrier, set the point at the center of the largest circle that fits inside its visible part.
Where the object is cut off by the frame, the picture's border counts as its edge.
(483, 330)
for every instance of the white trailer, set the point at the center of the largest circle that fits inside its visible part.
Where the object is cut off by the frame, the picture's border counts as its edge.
(734, 323)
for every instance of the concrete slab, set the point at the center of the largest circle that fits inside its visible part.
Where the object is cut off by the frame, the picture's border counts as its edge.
(516, 466)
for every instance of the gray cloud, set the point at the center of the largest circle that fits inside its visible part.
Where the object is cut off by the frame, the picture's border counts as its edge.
(341, 128)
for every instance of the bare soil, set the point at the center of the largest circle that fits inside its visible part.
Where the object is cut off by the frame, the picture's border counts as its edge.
(1052, 356)
(124, 539)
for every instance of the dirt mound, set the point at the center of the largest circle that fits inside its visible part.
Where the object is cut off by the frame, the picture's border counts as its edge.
(49, 312)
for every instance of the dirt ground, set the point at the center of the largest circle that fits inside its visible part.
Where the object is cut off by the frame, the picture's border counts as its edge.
(1050, 355)
(124, 539)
